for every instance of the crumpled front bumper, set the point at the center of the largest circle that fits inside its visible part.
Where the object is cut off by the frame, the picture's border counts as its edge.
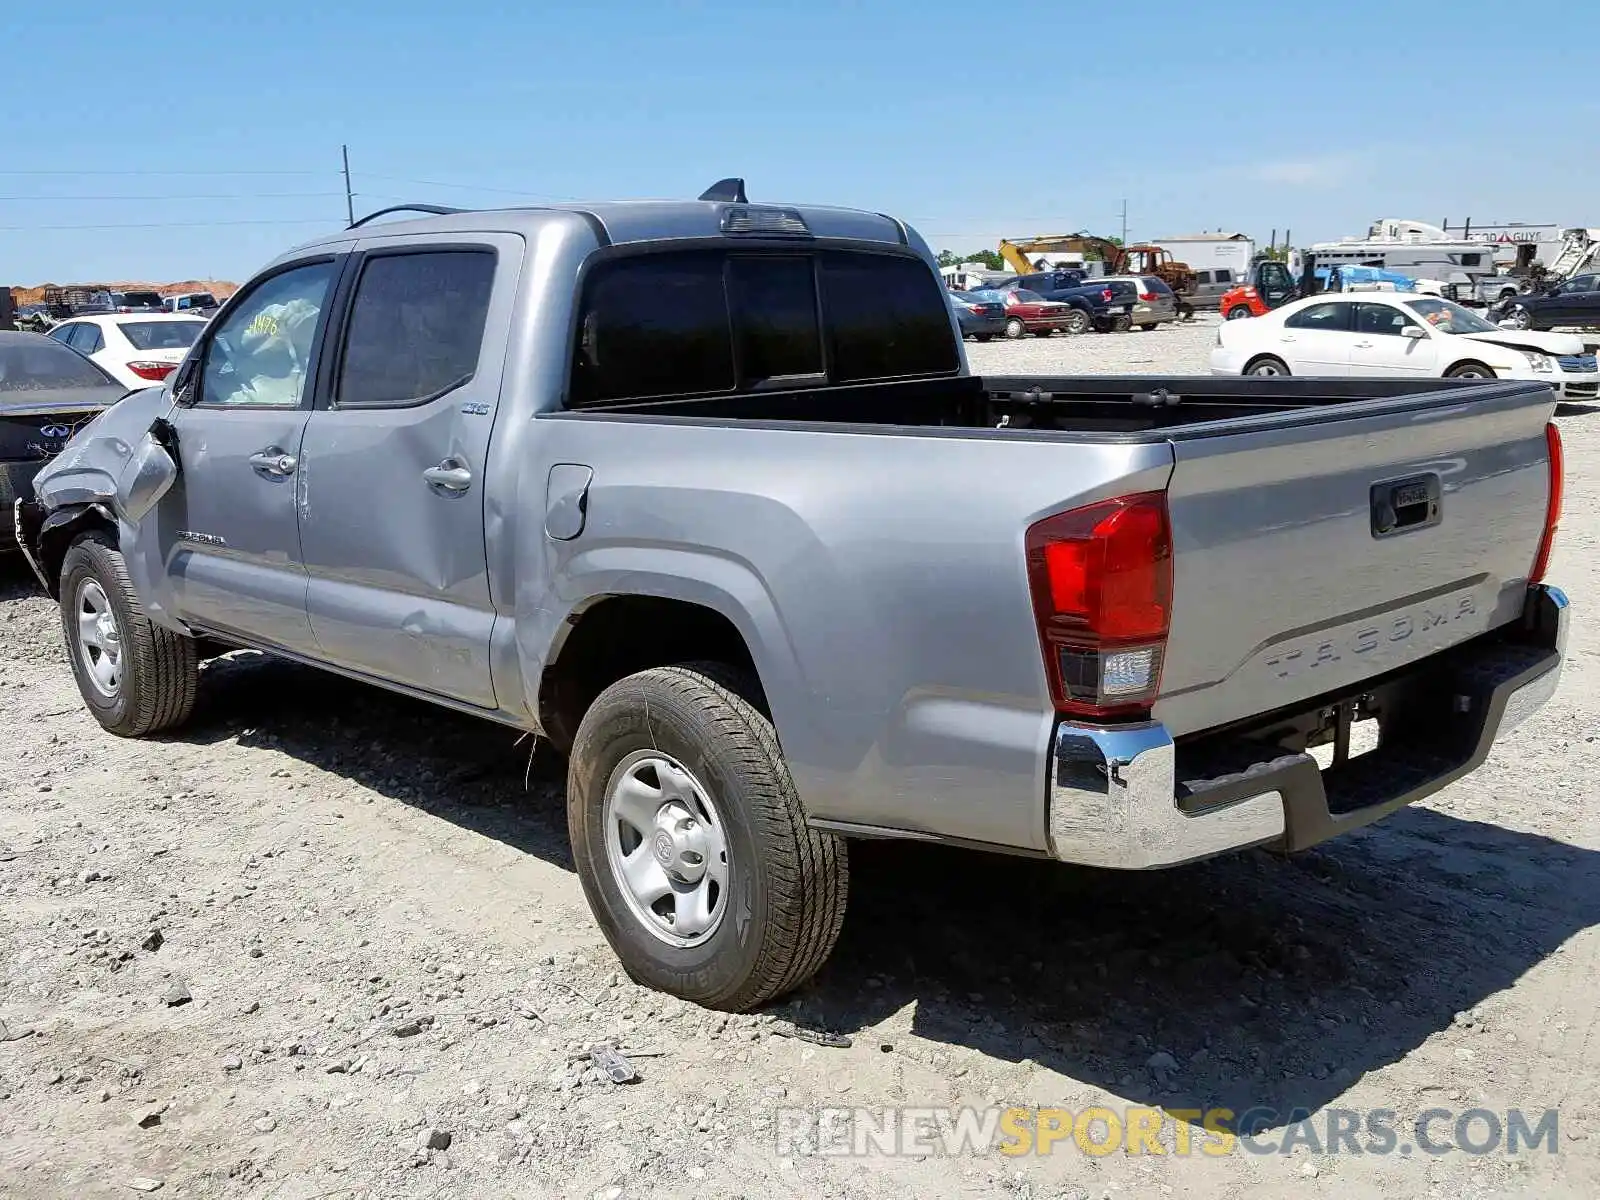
(1119, 797)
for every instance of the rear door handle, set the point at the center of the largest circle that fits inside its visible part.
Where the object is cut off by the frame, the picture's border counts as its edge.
(452, 475)
(273, 461)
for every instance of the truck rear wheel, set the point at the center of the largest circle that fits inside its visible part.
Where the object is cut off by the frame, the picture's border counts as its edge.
(136, 677)
(691, 844)
(1077, 322)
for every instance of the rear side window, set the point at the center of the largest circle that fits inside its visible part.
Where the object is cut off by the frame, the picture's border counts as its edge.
(415, 328)
(1334, 316)
(707, 321)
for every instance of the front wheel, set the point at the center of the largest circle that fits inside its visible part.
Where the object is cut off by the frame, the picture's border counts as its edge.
(691, 843)
(1267, 366)
(136, 677)
(1469, 370)
(1015, 328)
(1519, 316)
(982, 337)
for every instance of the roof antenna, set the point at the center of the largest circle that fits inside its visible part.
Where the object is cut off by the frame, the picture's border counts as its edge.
(727, 191)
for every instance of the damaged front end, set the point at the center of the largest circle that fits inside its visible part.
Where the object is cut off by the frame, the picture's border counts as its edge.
(112, 473)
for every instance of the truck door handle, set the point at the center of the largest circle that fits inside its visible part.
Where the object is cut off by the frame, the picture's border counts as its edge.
(452, 475)
(273, 461)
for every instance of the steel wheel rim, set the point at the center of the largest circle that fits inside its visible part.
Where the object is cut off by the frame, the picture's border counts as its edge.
(667, 848)
(99, 638)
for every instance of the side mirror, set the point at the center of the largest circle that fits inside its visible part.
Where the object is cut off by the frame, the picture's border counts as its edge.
(148, 475)
(1414, 332)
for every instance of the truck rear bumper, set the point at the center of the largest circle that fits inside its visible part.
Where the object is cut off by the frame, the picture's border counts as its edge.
(1129, 797)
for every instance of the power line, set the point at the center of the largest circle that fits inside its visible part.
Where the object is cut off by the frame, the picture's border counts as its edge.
(166, 225)
(166, 173)
(185, 196)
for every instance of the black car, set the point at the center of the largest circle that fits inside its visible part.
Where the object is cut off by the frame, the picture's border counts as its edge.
(1574, 302)
(46, 392)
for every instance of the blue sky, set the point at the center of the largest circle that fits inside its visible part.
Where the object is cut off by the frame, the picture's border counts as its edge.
(974, 121)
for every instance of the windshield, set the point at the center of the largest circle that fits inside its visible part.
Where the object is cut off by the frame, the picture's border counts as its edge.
(1024, 296)
(161, 335)
(42, 365)
(1450, 318)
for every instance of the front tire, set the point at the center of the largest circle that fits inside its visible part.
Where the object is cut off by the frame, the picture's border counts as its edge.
(691, 843)
(1469, 370)
(1519, 316)
(136, 677)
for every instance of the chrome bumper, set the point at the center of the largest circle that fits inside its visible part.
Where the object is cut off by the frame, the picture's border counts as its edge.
(1114, 792)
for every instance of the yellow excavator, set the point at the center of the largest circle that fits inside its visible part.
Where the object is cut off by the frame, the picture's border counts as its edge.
(1119, 260)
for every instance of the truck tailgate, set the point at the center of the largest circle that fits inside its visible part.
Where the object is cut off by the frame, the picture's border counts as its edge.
(1317, 549)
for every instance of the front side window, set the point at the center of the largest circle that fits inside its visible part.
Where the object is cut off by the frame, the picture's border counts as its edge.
(416, 327)
(1583, 283)
(1381, 319)
(1334, 318)
(261, 355)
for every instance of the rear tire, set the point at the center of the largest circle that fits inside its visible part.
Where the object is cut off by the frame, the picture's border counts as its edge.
(1015, 328)
(982, 337)
(1267, 365)
(1469, 370)
(1239, 312)
(1121, 324)
(1519, 316)
(136, 677)
(1077, 322)
(772, 922)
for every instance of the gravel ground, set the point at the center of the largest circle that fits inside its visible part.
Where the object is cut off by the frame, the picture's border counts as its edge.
(327, 944)
(1177, 349)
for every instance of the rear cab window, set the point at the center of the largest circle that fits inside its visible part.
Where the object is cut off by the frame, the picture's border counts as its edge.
(704, 322)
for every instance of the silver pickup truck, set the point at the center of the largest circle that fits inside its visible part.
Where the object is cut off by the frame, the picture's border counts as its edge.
(704, 494)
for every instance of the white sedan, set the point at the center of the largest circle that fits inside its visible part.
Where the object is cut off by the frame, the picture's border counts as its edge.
(139, 349)
(1399, 334)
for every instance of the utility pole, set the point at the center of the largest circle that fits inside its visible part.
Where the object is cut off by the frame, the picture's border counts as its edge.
(1124, 222)
(349, 196)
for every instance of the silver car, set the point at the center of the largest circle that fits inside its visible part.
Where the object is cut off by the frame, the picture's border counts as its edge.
(1156, 303)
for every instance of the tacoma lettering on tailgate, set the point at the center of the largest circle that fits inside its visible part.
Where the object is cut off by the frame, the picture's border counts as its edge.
(1308, 655)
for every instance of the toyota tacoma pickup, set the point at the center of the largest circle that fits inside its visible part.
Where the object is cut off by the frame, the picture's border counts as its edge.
(703, 493)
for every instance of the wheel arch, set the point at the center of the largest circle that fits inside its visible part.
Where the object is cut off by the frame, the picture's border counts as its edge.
(58, 530)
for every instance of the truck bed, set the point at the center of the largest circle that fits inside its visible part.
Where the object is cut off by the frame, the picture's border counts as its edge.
(1121, 408)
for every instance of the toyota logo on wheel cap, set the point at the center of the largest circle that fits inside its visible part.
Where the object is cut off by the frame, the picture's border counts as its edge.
(55, 431)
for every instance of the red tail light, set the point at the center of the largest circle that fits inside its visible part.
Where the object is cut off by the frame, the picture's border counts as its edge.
(1106, 294)
(976, 308)
(1101, 578)
(156, 371)
(1147, 297)
(1552, 511)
